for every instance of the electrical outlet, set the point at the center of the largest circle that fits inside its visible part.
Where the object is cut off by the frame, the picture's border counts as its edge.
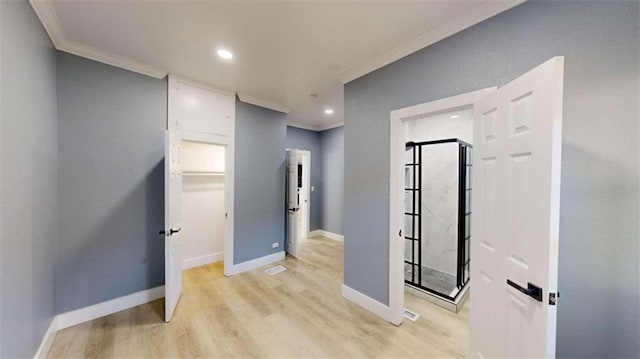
(312, 189)
(275, 245)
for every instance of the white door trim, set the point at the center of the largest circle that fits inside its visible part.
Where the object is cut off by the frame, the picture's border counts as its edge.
(227, 140)
(396, 198)
(229, 189)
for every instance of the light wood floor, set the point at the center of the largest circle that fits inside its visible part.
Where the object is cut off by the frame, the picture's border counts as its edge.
(297, 313)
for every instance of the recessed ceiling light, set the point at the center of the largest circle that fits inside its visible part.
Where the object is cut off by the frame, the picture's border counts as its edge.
(454, 116)
(225, 54)
(328, 111)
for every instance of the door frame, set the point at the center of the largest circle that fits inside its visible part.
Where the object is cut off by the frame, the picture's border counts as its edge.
(395, 313)
(225, 140)
(210, 139)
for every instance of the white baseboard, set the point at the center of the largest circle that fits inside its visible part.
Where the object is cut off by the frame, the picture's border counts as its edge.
(82, 315)
(202, 260)
(368, 303)
(95, 311)
(255, 263)
(323, 233)
(47, 340)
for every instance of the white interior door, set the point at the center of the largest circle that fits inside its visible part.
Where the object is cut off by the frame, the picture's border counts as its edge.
(303, 193)
(293, 205)
(172, 223)
(516, 197)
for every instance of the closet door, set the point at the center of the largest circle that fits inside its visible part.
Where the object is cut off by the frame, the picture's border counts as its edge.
(173, 226)
(293, 204)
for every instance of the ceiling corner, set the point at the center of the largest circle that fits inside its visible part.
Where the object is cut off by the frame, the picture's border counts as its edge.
(302, 126)
(110, 59)
(263, 103)
(330, 126)
(476, 15)
(46, 14)
(315, 128)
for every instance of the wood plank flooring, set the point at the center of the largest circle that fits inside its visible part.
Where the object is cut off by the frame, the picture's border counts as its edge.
(297, 313)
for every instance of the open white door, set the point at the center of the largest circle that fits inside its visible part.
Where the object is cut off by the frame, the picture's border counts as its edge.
(293, 205)
(172, 223)
(516, 197)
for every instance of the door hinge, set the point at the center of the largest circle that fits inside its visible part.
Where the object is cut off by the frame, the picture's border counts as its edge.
(553, 298)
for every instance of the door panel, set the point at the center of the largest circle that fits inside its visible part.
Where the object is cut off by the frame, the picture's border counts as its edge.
(516, 185)
(293, 207)
(172, 244)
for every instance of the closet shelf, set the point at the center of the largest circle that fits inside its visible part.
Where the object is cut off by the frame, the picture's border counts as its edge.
(195, 173)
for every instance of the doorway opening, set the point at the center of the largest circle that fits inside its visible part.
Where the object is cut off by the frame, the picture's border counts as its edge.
(430, 141)
(203, 203)
(517, 139)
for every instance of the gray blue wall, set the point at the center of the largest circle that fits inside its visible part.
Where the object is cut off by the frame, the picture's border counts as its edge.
(260, 141)
(332, 144)
(598, 310)
(111, 125)
(310, 140)
(111, 186)
(28, 178)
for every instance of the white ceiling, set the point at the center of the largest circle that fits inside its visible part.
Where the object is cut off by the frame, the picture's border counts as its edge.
(283, 50)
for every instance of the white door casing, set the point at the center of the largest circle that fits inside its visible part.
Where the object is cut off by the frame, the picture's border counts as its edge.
(172, 240)
(293, 207)
(395, 311)
(515, 206)
(201, 113)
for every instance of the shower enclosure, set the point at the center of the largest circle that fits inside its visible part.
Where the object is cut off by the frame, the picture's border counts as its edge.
(438, 216)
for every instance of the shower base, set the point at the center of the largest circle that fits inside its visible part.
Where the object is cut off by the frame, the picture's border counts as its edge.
(451, 305)
(436, 280)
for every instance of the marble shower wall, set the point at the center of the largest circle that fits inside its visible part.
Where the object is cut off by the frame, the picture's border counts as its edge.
(440, 185)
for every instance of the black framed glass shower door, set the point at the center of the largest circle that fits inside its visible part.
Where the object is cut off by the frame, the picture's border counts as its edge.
(418, 272)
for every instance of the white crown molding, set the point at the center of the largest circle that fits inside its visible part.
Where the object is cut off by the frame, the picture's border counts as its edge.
(47, 15)
(263, 103)
(314, 128)
(302, 126)
(478, 14)
(110, 59)
(175, 79)
(330, 126)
